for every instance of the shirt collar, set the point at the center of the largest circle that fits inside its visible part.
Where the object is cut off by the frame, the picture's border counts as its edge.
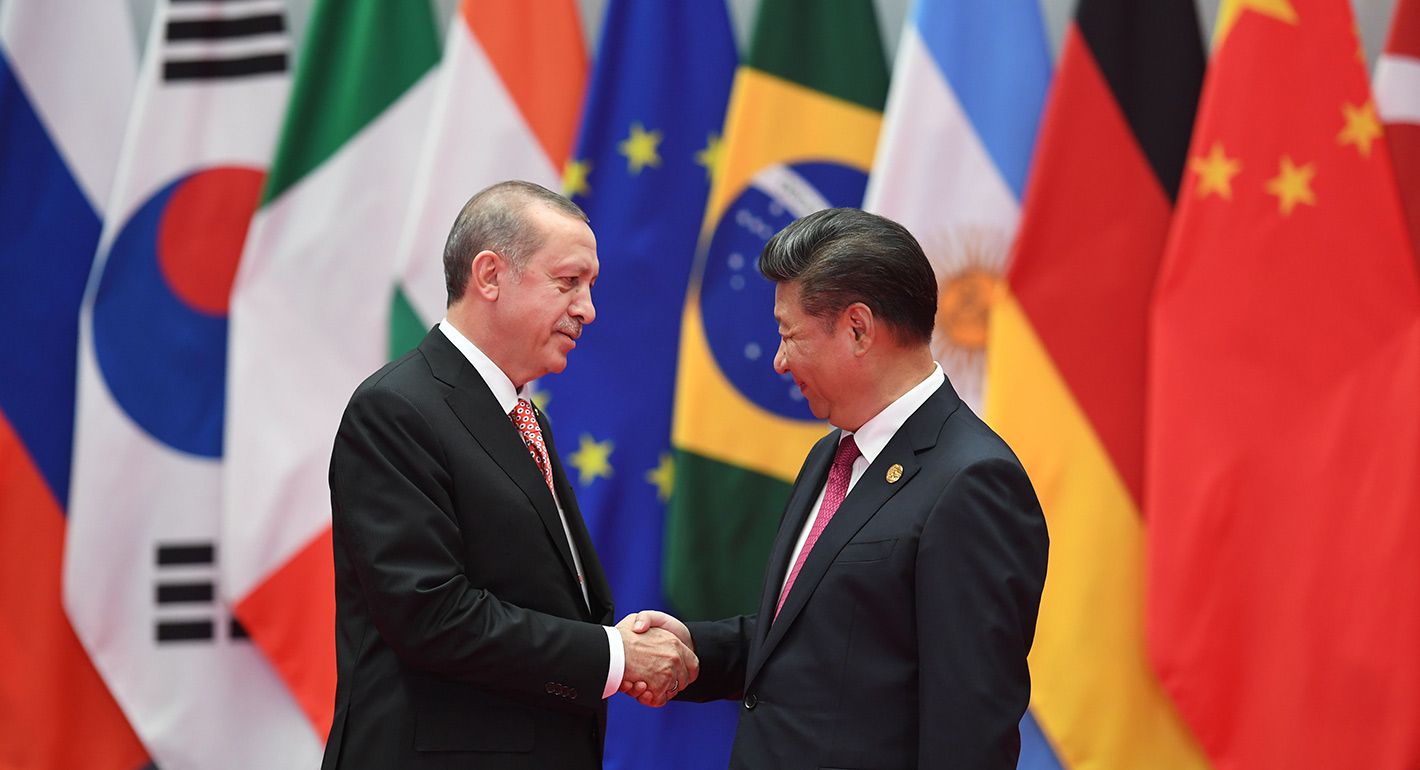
(497, 381)
(875, 434)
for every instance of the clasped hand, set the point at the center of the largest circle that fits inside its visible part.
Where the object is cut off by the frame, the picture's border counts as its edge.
(660, 657)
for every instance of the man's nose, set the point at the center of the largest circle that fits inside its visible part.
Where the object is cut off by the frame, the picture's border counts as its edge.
(781, 359)
(583, 309)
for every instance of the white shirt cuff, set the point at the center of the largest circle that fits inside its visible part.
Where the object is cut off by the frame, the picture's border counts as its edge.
(617, 667)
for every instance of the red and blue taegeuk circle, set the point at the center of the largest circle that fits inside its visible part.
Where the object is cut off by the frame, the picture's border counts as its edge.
(160, 314)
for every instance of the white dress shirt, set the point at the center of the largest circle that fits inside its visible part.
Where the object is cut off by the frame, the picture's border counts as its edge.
(507, 397)
(872, 438)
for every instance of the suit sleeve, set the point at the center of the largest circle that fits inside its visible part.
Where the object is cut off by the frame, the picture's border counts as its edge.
(393, 515)
(980, 571)
(723, 649)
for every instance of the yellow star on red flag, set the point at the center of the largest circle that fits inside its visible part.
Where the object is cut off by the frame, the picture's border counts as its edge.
(1228, 14)
(1292, 185)
(1215, 172)
(1362, 126)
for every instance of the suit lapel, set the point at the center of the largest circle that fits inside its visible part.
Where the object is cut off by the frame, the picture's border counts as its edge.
(868, 496)
(598, 589)
(474, 405)
(796, 512)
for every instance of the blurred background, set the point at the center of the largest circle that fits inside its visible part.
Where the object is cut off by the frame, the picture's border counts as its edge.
(1173, 243)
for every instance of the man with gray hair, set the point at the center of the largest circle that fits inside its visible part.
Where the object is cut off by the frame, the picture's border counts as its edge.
(472, 615)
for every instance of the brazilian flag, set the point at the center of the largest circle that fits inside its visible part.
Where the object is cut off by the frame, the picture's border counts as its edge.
(800, 133)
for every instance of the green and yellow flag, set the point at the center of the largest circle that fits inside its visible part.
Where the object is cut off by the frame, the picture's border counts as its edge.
(799, 136)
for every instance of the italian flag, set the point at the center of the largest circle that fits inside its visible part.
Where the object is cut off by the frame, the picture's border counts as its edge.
(505, 107)
(311, 315)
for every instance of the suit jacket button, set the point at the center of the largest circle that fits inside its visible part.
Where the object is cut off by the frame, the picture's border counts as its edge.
(751, 701)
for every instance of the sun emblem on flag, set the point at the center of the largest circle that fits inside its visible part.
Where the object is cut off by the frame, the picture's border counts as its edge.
(970, 261)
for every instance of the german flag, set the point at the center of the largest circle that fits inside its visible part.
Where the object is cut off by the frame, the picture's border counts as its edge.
(800, 133)
(1066, 373)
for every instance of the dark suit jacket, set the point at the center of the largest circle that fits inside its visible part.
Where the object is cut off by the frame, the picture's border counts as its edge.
(903, 641)
(462, 639)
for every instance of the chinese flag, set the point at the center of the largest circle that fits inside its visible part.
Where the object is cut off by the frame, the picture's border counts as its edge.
(1282, 485)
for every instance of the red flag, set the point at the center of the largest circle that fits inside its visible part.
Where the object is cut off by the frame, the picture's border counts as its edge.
(1283, 472)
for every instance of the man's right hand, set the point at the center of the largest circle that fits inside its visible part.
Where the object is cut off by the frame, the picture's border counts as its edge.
(658, 664)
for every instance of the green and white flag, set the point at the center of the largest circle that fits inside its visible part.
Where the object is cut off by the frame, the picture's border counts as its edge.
(311, 317)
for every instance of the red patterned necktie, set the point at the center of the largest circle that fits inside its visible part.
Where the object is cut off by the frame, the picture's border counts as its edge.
(528, 428)
(833, 493)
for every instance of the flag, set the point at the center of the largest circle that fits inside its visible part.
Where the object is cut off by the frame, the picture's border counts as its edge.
(645, 154)
(65, 85)
(1398, 102)
(141, 578)
(958, 133)
(1066, 378)
(509, 90)
(799, 136)
(1283, 476)
(311, 308)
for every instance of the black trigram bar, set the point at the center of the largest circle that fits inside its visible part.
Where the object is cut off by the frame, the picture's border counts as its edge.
(185, 631)
(186, 553)
(181, 593)
(237, 630)
(225, 29)
(213, 69)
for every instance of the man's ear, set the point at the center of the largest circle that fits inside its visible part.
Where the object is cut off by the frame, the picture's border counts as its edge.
(862, 325)
(484, 273)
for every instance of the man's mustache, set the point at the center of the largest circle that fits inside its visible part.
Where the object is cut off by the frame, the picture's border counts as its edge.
(570, 327)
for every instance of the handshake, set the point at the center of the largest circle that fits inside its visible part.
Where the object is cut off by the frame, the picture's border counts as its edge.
(660, 657)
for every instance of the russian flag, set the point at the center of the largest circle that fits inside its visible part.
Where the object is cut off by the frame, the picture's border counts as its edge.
(65, 84)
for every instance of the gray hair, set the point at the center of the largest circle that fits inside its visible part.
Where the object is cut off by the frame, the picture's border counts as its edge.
(495, 219)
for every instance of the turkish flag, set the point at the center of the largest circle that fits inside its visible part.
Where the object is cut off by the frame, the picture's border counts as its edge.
(1283, 420)
(1398, 101)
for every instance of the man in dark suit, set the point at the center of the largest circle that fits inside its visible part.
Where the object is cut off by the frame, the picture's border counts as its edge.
(472, 615)
(901, 592)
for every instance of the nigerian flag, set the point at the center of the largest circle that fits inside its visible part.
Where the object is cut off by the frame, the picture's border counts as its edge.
(310, 312)
(800, 134)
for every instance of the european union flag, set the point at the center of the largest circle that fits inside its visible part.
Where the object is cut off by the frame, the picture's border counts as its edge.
(648, 144)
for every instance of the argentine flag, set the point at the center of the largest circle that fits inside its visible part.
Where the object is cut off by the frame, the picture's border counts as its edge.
(958, 134)
(968, 88)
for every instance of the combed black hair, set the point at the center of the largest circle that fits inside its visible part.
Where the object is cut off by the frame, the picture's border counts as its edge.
(841, 256)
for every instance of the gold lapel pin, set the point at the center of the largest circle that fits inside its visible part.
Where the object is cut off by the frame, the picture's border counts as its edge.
(894, 473)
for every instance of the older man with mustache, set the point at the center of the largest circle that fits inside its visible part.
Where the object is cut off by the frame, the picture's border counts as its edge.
(472, 616)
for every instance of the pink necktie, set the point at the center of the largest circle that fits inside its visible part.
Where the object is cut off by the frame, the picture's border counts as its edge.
(528, 428)
(833, 493)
